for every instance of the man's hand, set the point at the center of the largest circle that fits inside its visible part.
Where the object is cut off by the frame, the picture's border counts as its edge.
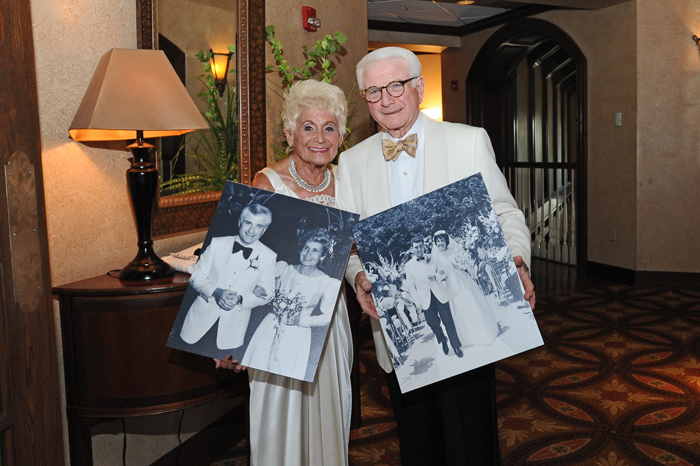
(527, 283)
(229, 363)
(363, 290)
(226, 299)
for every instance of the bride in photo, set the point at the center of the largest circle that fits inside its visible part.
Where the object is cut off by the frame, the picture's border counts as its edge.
(475, 324)
(305, 298)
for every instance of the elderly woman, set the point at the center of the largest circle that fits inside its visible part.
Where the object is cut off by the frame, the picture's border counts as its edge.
(282, 341)
(294, 422)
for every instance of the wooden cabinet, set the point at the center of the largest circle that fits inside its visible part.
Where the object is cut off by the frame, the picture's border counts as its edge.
(116, 362)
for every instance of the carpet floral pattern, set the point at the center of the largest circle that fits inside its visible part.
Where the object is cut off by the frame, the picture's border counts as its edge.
(616, 384)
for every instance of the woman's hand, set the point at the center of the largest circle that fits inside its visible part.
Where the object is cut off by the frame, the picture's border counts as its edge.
(229, 363)
(363, 290)
(260, 292)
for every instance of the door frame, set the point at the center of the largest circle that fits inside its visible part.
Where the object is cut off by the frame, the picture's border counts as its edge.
(30, 399)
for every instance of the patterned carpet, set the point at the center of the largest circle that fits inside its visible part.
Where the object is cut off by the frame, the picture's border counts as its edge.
(616, 384)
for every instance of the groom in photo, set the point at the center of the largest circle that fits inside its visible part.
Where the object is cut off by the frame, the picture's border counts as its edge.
(225, 276)
(427, 287)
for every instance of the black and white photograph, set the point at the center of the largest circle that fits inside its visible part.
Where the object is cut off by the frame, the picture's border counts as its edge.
(265, 285)
(445, 285)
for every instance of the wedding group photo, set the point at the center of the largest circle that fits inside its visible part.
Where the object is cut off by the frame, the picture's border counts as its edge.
(265, 296)
(444, 283)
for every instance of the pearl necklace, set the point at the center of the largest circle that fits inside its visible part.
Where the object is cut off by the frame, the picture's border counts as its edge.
(306, 186)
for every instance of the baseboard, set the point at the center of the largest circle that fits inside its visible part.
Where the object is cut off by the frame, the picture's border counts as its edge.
(643, 279)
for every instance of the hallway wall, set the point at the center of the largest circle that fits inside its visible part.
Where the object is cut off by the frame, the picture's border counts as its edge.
(668, 153)
(642, 63)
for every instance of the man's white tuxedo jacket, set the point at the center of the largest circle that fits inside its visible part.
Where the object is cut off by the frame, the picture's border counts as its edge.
(219, 268)
(418, 284)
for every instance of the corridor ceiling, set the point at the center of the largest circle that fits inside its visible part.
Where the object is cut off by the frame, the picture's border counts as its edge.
(452, 15)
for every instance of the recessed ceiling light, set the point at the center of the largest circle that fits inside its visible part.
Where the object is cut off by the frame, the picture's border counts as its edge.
(465, 2)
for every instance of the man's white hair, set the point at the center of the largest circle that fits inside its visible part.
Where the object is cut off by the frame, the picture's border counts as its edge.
(386, 53)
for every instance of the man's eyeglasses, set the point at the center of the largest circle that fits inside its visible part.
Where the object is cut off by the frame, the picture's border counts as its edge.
(394, 89)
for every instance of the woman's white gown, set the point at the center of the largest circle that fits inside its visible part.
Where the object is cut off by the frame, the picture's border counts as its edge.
(295, 423)
(285, 349)
(474, 320)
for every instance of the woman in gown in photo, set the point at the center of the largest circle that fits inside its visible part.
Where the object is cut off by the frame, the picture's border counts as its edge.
(296, 423)
(304, 298)
(474, 320)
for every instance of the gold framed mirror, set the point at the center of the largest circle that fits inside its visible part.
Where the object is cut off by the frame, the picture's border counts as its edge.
(181, 213)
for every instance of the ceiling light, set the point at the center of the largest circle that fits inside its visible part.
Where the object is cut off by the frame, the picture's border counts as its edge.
(465, 2)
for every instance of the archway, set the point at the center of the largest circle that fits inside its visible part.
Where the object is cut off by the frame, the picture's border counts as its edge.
(527, 88)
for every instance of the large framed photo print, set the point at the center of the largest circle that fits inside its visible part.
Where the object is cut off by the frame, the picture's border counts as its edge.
(446, 288)
(266, 283)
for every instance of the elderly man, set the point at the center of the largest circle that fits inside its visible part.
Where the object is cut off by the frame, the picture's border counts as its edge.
(452, 422)
(226, 275)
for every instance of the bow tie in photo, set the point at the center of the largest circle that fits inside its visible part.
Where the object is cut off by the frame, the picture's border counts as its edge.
(392, 149)
(239, 247)
(420, 258)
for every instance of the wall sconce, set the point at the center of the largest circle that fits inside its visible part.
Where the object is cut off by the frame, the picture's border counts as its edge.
(697, 41)
(219, 66)
(136, 94)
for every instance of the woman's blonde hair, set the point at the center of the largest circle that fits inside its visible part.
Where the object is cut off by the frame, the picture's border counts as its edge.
(316, 96)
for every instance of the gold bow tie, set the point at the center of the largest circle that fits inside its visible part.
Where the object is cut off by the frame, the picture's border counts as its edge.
(392, 149)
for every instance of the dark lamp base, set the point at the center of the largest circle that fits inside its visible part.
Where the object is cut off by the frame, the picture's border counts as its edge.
(142, 180)
(146, 266)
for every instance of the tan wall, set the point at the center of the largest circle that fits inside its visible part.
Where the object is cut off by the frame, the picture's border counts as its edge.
(285, 15)
(608, 40)
(668, 158)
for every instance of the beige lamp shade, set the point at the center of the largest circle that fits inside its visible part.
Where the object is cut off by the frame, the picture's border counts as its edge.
(135, 90)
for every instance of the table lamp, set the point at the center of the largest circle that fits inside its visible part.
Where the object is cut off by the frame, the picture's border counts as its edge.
(136, 94)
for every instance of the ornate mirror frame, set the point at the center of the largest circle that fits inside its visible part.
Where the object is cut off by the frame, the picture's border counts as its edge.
(178, 214)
